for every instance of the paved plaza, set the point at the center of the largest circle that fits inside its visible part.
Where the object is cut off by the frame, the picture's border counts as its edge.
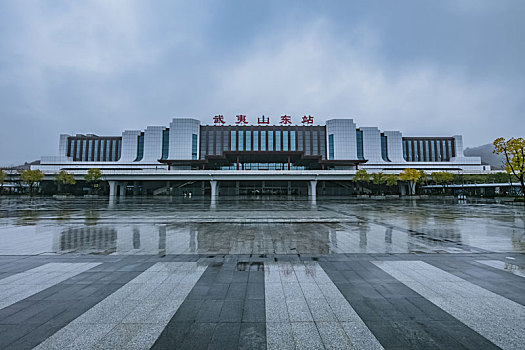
(171, 273)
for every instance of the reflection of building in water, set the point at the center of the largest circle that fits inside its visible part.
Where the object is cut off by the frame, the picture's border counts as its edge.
(99, 239)
(263, 239)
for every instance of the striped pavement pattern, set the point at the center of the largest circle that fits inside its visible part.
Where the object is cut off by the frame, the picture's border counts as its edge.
(24, 284)
(135, 315)
(498, 319)
(305, 305)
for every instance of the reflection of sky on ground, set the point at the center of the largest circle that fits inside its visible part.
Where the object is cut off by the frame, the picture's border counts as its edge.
(175, 226)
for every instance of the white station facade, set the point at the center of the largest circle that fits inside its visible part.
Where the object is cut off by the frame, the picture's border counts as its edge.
(187, 157)
(185, 144)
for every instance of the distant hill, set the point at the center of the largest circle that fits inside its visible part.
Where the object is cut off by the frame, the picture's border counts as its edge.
(496, 161)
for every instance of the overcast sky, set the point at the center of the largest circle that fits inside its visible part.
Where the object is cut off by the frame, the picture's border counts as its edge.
(422, 67)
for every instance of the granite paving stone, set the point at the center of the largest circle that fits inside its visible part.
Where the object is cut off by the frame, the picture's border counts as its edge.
(262, 273)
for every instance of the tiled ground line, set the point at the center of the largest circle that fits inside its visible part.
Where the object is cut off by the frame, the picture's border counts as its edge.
(22, 285)
(304, 309)
(133, 316)
(498, 319)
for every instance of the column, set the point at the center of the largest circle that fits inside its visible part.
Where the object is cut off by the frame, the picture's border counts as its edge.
(312, 189)
(213, 184)
(135, 188)
(112, 186)
(123, 186)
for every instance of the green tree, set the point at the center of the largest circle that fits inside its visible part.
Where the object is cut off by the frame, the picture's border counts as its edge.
(63, 178)
(93, 176)
(442, 178)
(514, 151)
(31, 177)
(391, 179)
(3, 176)
(361, 177)
(379, 179)
(411, 176)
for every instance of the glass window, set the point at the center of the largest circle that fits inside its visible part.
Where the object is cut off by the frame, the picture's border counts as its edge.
(449, 147)
(359, 138)
(331, 146)
(211, 133)
(193, 146)
(438, 144)
(84, 149)
(292, 140)
(95, 157)
(427, 156)
(77, 149)
(225, 141)
(307, 141)
(119, 149)
(241, 141)
(140, 148)
(90, 153)
(315, 149)
(322, 145)
(263, 140)
(270, 140)
(410, 144)
(300, 141)
(285, 140)
(115, 150)
(277, 140)
(256, 140)
(165, 143)
(384, 148)
(248, 140)
(233, 140)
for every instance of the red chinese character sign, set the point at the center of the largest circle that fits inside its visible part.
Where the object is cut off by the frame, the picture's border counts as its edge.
(286, 119)
(308, 120)
(241, 119)
(263, 120)
(218, 119)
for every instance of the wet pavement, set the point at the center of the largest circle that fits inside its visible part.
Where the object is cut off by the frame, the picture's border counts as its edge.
(261, 273)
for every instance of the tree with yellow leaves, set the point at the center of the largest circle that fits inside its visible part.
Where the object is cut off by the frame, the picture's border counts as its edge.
(411, 176)
(514, 151)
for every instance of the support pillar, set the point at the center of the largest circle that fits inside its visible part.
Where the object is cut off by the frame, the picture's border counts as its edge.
(213, 185)
(112, 187)
(237, 188)
(122, 187)
(312, 190)
(135, 188)
(289, 189)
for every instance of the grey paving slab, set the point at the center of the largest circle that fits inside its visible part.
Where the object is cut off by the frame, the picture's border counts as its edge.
(24, 284)
(127, 310)
(498, 319)
(302, 296)
(401, 318)
(208, 314)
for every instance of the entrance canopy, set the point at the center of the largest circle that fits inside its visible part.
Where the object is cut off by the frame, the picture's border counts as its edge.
(296, 158)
